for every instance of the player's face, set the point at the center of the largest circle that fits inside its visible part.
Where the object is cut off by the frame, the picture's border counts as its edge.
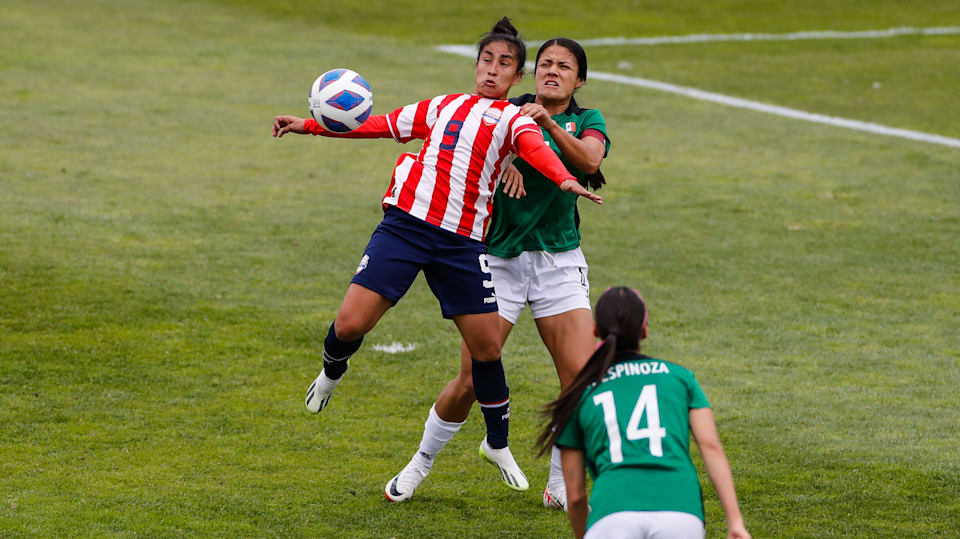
(497, 70)
(556, 74)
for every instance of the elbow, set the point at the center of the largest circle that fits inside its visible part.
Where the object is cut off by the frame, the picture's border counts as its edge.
(592, 165)
(711, 447)
(576, 498)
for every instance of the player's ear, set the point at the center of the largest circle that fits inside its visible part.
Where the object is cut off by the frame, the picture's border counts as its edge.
(596, 332)
(518, 77)
(643, 333)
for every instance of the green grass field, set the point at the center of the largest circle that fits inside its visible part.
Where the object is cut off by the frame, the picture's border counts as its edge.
(168, 270)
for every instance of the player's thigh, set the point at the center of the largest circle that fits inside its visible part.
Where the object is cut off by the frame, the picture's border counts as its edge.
(570, 340)
(481, 334)
(466, 363)
(360, 311)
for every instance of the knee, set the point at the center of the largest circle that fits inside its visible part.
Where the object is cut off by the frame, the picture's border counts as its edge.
(349, 328)
(488, 351)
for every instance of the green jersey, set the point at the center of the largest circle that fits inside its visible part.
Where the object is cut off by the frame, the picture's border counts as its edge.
(546, 219)
(634, 429)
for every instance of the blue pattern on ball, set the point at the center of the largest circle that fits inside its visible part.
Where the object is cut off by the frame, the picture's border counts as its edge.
(366, 114)
(362, 82)
(330, 76)
(335, 126)
(345, 100)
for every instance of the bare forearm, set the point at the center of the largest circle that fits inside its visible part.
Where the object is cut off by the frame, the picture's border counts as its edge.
(577, 514)
(718, 468)
(575, 477)
(704, 430)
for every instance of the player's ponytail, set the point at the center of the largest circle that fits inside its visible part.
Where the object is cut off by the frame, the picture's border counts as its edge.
(506, 32)
(595, 180)
(621, 317)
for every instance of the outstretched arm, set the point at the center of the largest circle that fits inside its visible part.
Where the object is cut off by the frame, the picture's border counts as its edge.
(531, 149)
(575, 476)
(718, 468)
(374, 127)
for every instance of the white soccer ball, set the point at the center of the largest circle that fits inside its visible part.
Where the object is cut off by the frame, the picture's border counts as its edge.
(340, 100)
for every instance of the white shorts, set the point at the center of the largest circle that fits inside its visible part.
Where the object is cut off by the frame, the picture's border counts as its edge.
(552, 283)
(647, 525)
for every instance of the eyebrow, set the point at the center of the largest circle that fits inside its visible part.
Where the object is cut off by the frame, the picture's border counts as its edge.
(504, 55)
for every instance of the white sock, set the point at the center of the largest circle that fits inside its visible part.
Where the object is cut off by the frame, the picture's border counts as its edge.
(556, 469)
(436, 434)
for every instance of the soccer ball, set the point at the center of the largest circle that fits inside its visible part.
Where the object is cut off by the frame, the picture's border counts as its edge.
(340, 100)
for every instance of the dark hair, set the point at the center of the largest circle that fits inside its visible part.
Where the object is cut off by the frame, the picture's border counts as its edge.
(505, 31)
(621, 316)
(595, 180)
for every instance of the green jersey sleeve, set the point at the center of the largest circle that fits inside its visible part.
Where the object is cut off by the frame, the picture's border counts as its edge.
(697, 398)
(592, 119)
(572, 435)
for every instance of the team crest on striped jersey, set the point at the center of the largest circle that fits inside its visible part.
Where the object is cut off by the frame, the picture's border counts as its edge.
(491, 116)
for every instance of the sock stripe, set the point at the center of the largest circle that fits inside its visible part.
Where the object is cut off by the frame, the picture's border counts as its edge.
(494, 404)
(328, 357)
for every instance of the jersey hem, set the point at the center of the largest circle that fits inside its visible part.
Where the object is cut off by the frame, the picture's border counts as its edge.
(510, 254)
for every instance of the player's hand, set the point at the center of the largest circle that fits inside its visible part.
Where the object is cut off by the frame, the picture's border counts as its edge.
(288, 124)
(737, 531)
(573, 186)
(513, 182)
(538, 114)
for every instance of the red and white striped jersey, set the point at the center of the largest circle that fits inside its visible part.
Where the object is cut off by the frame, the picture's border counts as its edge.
(468, 141)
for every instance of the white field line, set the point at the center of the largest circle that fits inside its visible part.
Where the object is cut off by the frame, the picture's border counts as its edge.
(819, 34)
(702, 38)
(395, 347)
(470, 51)
(775, 109)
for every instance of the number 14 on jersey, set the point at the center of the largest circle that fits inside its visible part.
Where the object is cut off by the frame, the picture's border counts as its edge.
(647, 402)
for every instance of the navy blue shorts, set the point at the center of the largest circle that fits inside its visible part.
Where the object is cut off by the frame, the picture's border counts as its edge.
(455, 266)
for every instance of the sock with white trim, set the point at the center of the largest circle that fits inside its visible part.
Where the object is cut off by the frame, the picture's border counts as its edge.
(490, 386)
(336, 353)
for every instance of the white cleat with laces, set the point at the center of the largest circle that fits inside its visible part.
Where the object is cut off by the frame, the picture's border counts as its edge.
(402, 486)
(503, 459)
